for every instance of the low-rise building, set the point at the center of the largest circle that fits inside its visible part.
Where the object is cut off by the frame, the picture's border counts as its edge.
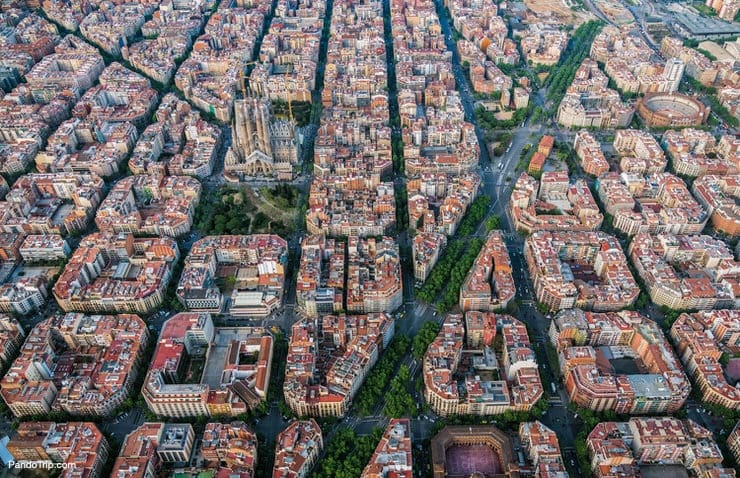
(489, 285)
(297, 448)
(82, 364)
(618, 361)
(587, 270)
(453, 389)
(115, 272)
(664, 260)
(701, 338)
(328, 361)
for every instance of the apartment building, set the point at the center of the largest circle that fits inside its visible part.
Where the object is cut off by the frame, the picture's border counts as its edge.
(49, 373)
(51, 203)
(11, 337)
(540, 445)
(210, 76)
(297, 449)
(449, 391)
(656, 203)
(589, 344)
(560, 261)
(87, 146)
(622, 448)
(718, 194)
(315, 386)
(588, 150)
(328, 283)
(630, 63)
(153, 445)
(662, 261)
(489, 285)
(553, 203)
(392, 456)
(289, 54)
(44, 248)
(121, 95)
(150, 204)
(179, 143)
(80, 446)
(231, 447)
(639, 152)
(700, 339)
(115, 272)
(257, 264)
(696, 153)
(589, 103)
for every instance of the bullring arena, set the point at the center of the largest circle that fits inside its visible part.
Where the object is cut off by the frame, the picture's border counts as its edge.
(671, 110)
(464, 451)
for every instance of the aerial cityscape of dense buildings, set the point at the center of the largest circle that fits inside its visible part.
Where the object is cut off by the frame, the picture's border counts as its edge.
(553, 204)
(234, 363)
(628, 448)
(328, 361)
(369, 238)
(462, 372)
(255, 263)
(618, 361)
(662, 259)
(114, 347)
(587, 270)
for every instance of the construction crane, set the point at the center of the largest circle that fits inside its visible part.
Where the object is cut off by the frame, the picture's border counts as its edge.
(243, 77)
